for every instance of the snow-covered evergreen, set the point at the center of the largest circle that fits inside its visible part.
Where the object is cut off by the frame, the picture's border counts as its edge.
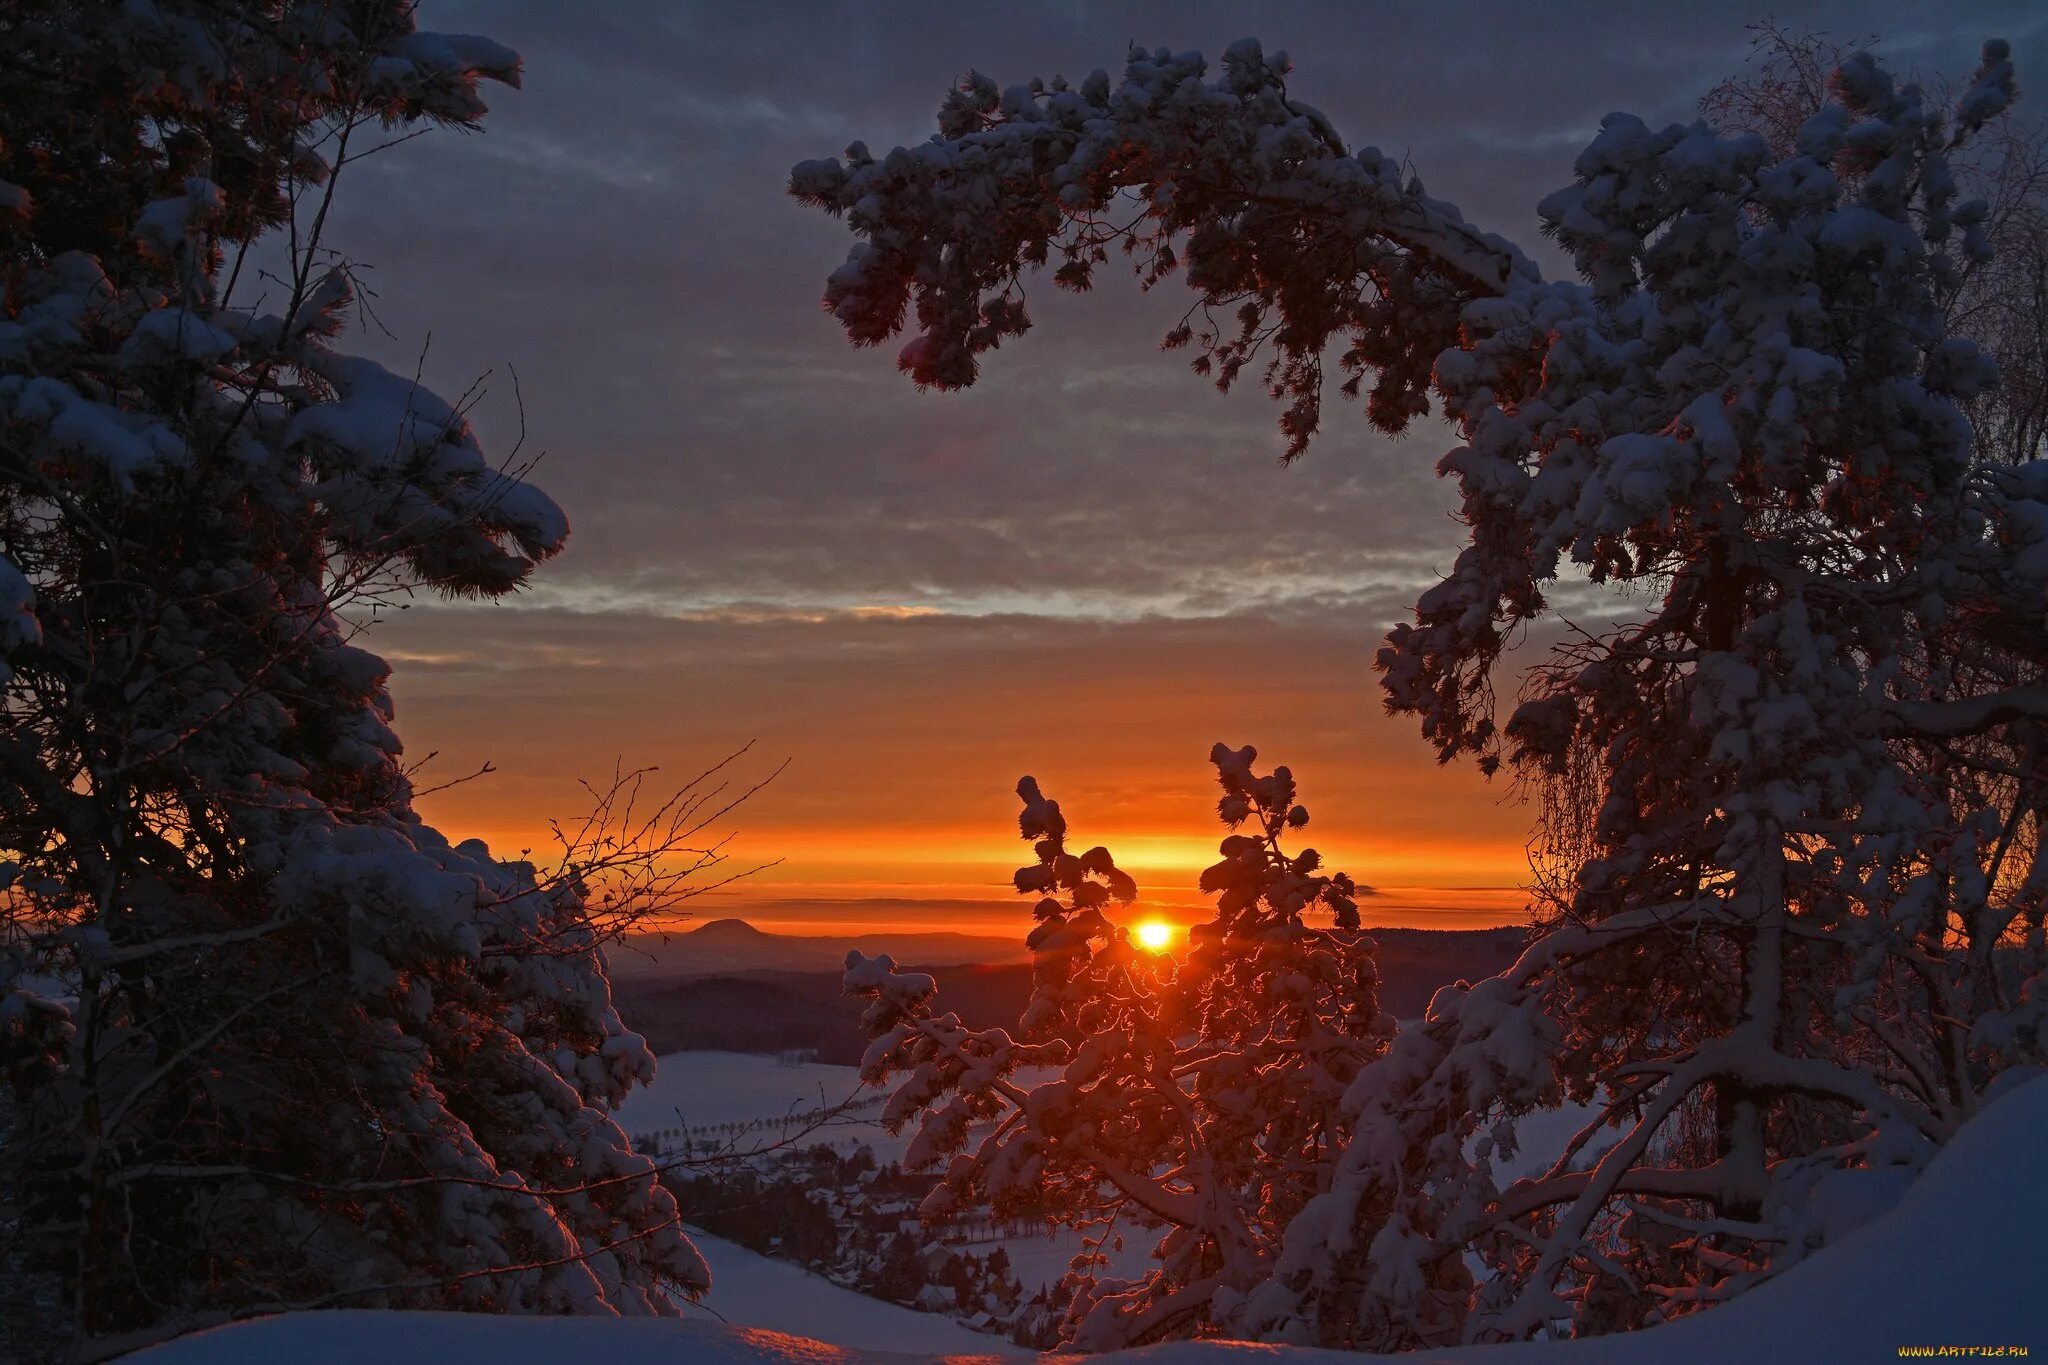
(1792, 934)
(266, 1038)
(1199, 1099)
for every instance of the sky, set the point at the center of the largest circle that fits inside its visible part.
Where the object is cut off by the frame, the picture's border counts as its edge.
(1090, 567)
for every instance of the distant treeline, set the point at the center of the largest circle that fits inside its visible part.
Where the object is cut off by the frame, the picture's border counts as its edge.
(769, 1011)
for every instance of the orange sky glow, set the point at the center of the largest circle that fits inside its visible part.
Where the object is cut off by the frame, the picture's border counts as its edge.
(904, 740)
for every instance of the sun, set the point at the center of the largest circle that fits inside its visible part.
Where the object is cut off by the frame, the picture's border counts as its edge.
(1154, 935)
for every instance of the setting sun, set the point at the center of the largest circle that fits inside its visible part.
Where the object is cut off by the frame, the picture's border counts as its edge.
(1154, 935)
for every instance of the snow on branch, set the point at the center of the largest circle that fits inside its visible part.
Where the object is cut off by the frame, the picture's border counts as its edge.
(1228, 179)
(1196, 1096)
(1789, 927)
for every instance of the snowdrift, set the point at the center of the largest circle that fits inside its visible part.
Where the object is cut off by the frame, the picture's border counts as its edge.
(1956, 1263)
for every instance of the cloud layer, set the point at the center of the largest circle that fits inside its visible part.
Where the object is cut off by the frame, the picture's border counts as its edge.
(1089, 563)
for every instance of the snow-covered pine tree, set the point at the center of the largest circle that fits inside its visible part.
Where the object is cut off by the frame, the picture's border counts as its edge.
(1994, 300)
(266, 1038)
(1199, 1099)
(1787, 954)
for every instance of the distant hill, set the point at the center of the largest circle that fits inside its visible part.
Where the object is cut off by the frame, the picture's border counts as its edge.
(724, 946)
(799, 1005)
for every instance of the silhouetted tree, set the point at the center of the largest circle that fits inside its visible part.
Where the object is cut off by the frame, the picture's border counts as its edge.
(1201, 1099)
(266, 1039)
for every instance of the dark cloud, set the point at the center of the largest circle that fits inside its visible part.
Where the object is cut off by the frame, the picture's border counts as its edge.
(619, 236)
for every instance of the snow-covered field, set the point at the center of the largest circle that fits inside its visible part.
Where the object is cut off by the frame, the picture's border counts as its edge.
(754, 1291)
(723, 1087)
(1956, 1263)
(701, 1089)
(1038, 1262)
(710, 1089)
(765, 1101)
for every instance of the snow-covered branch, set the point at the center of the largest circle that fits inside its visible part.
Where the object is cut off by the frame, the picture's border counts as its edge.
(1792, 794)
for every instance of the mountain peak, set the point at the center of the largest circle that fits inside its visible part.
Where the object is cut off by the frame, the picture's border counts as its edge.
(728, 930)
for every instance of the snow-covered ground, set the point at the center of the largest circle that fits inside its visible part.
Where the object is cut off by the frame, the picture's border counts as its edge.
(754, 1291)
(722, 1087)
(354, 1336)
(759, 1093)
(708, 1089)
(766, 1101)
(1038, 1262)
(1956, 1263)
